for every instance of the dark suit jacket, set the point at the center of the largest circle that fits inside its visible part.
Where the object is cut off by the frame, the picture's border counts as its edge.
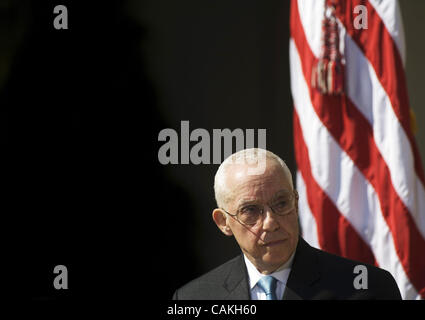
(315, 274)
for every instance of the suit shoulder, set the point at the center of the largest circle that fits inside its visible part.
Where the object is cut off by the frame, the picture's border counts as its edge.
(206, 285)
(380, 282)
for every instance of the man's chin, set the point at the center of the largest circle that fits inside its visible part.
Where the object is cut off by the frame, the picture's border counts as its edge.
(277, 253)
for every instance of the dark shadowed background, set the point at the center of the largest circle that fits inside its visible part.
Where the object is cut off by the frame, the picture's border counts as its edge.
(80, 117)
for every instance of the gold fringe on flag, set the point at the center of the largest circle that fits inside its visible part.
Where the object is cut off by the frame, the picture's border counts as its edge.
(328, 74)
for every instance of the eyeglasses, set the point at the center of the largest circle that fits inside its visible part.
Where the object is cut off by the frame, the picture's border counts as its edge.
(252, 214)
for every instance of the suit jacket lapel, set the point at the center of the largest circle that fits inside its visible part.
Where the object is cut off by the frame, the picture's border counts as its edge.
(236, 282)
(304, 273)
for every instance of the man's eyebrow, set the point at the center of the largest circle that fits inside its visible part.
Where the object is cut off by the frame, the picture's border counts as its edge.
(243, 202)
(279, 194)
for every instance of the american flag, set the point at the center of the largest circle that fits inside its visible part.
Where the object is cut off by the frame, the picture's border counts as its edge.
(360, 178)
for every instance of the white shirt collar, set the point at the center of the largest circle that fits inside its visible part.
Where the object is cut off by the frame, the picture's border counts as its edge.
(281, 274)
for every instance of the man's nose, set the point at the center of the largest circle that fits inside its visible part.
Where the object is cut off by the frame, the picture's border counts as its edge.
(269, 220)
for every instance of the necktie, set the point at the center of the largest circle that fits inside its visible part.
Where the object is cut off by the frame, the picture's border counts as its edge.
(268, 285)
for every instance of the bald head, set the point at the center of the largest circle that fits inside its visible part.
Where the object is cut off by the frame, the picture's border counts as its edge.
(243, 163)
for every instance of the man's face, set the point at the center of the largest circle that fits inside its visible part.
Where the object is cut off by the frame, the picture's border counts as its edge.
(270, 243)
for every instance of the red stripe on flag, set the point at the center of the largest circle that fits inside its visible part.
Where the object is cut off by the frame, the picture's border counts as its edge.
(335, 232)
(355, 136)
(380, 49)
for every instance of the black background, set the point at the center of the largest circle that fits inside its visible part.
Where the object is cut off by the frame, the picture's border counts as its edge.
(81, 113)
(83, 186)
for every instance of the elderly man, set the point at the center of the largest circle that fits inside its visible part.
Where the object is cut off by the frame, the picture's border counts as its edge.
(260, 209)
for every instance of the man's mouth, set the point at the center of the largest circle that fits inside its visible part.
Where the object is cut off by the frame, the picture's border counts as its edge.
(274, 243)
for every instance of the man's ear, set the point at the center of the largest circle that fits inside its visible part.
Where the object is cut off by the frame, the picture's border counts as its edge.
(219, 217)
